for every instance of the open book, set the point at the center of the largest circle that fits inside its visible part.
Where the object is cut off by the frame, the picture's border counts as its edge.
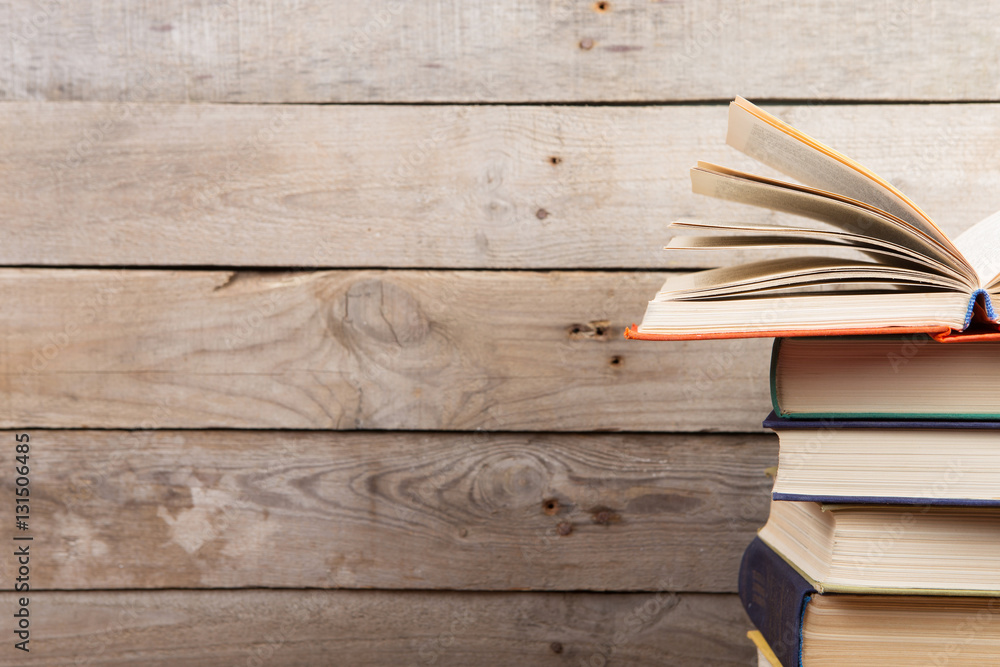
(867, 260)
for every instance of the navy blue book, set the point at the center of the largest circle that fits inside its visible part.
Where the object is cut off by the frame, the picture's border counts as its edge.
(775, 597)
(803, 626)
(912, 462)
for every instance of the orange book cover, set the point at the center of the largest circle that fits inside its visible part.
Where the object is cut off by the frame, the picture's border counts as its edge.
(981, 328)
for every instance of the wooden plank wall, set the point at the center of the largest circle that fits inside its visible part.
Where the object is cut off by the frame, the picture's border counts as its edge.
(313, 312)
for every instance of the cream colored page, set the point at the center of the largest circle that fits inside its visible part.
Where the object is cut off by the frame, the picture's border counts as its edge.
(758, 241)
(839, 214)
(789, 271)
(777, 149)
(835, 238)
(818, 191)
(827, 244)
(816, 312)
(981, 246)
(772, 270)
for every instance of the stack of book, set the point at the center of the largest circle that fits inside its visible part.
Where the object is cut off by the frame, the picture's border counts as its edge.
(883, 542)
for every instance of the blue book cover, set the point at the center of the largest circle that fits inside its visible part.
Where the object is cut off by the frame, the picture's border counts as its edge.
(775, 598)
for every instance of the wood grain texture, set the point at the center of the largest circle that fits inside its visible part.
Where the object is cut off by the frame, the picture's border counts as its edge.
(212, 509)
(452, 350)
(527, 50)
(372, 628)
(403, 186)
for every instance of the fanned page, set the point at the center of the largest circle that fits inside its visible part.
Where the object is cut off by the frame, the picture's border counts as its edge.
(832, 243)
(773, 142)
(904, 276)
(980, 244)
(840, 212)
(766, 236)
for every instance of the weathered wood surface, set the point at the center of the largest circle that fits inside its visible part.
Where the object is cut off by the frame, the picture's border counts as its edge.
(527, 50)
(211, 509)
(374, 628)
(452, 350)
(406, 186)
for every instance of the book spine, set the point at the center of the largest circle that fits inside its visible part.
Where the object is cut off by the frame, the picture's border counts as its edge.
(775, 598)
(775, 351)
(980, 298)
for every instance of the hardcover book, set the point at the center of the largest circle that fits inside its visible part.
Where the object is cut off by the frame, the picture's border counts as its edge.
(871, 261)
(892, 549)
(804, 627)
(883, 377)
(774, 596)
(910, 462)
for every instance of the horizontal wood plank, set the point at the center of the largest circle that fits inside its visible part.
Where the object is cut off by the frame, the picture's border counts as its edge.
(526, 50)
(373, 628)
(216, 509)
(398, 186)
(451, 350)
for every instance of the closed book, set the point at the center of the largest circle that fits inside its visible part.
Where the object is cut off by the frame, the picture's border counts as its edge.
(884, 377)
(806, 628)
(894, 549)
(916, 462)
(774, 595)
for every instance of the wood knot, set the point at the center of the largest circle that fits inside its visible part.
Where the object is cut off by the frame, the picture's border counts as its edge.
(604, 516)
(564, 528)
(586, 43)
(541, 214)
(509, 481)
(556, 647)
(385, 312)
(616, 360)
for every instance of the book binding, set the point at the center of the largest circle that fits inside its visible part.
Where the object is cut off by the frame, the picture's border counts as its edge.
(775, 598)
